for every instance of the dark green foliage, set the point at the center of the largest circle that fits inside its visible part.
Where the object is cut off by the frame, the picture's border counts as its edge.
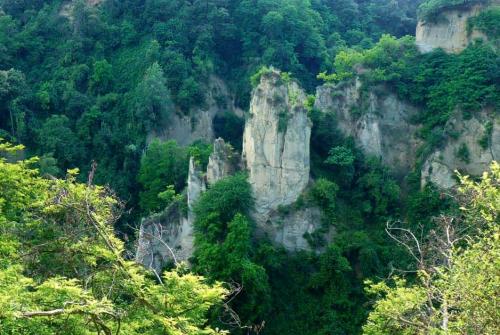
(422, 205)
(162, 165)
(313, 295)
(324, 193)
(152, 98)
(486, 21)
(463, 153)
(165, 164)
(437, 82)
(485, 140)
(230, 128)
(283, 118)
(57, 138)
(340, 156)
(223, 240)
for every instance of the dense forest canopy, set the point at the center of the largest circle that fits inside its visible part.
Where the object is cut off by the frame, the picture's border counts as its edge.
(85, 86)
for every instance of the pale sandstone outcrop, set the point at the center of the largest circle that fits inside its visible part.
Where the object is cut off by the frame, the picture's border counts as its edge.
(449, 30)
(441, 165)
(167, 237)
(276, 144)
(290, 230)
(380, 123)
(276, 154)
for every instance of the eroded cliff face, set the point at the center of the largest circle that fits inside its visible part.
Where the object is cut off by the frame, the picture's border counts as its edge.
(168, 237)
(276, 154)
(379, 122)
(449, 31)
(471, 152)
(198, 124)
(276, 144)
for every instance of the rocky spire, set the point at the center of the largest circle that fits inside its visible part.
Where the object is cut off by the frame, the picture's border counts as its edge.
(276, 143)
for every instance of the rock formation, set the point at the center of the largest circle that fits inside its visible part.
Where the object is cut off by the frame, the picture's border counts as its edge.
(198, 123)
(221, 162)
(449, 31)
(380, 123)
(276, 154)
(167, 237)
(276, 144)
(471, 152)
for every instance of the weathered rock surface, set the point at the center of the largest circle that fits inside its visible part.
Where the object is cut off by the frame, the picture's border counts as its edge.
(290, 230)
(167, 237)
(380, 123)
(198, 125)
(449, 31)
(465, 153)
(164, 238)
(276, 144)
(222, 161)
(276, 154)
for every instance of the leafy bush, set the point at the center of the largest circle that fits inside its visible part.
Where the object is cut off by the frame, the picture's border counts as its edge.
(63, 268)
(165, 165)
(223, 239)
(487, 22)
(255, 78)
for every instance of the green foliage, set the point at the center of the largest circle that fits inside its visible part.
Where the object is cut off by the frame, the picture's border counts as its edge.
(163, 171)
(255, 78)
(463, 153)
(223, 239)
(485, 140)
(457, 294)
(340, 156)
(344, 66)
(430, 9)
(101, 79)
(57, 138)
(381, 191)
(63, 269)
(152, 98)
(164, 164)
(324, 193)
(487, 22)
(168, 196)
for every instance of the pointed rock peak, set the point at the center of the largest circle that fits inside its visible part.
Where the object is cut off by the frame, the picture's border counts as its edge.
(276, 142)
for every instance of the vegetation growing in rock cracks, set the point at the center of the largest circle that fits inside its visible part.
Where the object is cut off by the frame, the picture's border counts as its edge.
(90, 88)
